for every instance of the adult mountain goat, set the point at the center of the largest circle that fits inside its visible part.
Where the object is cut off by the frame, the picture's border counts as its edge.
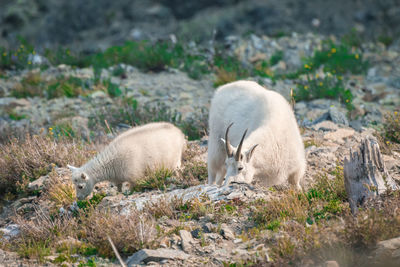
(129, 156)
(253, 135)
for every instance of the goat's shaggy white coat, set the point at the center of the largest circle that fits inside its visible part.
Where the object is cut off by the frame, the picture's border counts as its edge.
(271, 124)
(130, 155)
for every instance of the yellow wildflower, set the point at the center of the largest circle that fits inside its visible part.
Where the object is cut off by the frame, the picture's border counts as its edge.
(29, 62)
(306, 66)
(356, 56)
(306, 87)
(347, 100)
(333, 50)
(321, 83)
(387, 142)
(395, 113)
(316, 76)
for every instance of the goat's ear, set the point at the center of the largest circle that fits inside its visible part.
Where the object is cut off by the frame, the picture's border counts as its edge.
(72, 168)
(250, 152)
(84, 176)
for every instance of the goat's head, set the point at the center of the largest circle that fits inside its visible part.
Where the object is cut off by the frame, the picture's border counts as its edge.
(83, 183)
(238, 165)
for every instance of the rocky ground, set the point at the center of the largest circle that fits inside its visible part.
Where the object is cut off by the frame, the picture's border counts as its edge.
(99, 24)
(218, 236)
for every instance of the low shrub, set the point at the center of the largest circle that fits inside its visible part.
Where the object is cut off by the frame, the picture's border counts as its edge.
(391, 127)
(18, 58)
(31, 85)
(329, 86)
(129, 112)
(337, 59)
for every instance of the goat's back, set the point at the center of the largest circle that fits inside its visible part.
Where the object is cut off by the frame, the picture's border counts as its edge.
(150, 146)
(250, 106)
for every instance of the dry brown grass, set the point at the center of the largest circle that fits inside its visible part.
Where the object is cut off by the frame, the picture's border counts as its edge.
(45, 227)
(389, 136)
(60, 192)
(391, 126)
(379, 221)
(223, 76)
(129, 232)
(194, 170)
(41, 234)
(164, 207)
(24, 160)
(317, 225)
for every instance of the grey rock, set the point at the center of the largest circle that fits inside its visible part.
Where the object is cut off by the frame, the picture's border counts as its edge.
(300, 106)
(338, 117)
(208, 227)
(213, 192)
(147, 255)
(237, 241)
(325, 126)
(196, 233)
(187, 240)
(333, 114)
(395, 82)
(212, 236)
(36, 59)
(10, 231)
(322, 118)
(12, 102)
(257, 42)
(388, 249)
(98, 94)
(38, 184)
(227, 232)
(356, 125)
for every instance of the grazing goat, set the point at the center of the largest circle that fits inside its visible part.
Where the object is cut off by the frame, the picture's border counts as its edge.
(130, 155)
(245, 116)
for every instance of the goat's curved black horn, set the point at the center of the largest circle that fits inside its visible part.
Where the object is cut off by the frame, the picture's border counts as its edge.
(239, 150)
(227, 144)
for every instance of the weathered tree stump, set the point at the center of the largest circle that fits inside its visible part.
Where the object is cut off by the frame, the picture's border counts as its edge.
(365, 175)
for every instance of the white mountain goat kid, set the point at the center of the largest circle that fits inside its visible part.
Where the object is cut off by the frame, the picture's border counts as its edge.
(245, 116)
(130, 155)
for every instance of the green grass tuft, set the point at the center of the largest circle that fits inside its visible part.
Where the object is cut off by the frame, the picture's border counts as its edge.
(337, 59)
(330, 86)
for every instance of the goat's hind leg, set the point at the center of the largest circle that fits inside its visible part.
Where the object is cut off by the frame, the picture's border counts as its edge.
(294, 179)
